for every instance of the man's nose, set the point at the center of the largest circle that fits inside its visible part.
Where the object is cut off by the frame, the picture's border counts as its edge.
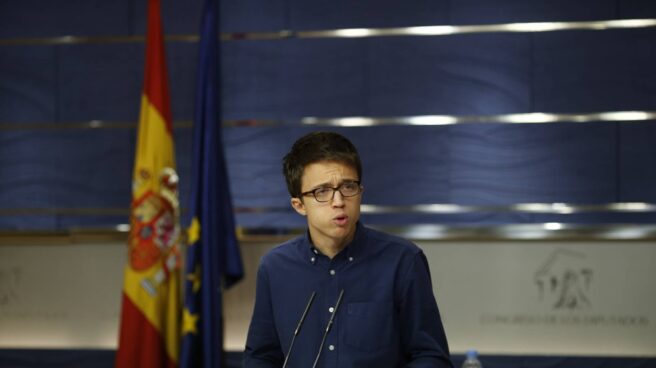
(338, 199)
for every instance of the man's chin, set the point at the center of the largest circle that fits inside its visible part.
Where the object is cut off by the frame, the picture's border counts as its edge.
(344, 232)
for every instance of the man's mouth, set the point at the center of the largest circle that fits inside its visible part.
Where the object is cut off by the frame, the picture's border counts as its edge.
(340, 220)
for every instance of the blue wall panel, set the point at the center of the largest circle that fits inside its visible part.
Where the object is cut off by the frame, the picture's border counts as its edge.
(28, 84)
(505, 164)
(595, 71)
(252, 79)
(105, 81)
(254, 157)
(633, 9)
(284, 80)
(312, 15)
(638, 162)
(37, 18)
(27, 166)
(100, 81)
(292, 78)
(254, 15)
(93, 167)
(463, 75)
(27, 169)
(403, 165)
(467, 164)
(322, 78)
(33, 18)
(492, 164)
(72, 168)
(510, 11)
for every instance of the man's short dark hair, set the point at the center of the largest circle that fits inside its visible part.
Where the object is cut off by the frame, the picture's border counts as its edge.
(315, 147)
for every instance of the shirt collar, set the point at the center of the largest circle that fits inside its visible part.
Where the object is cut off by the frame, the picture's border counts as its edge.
(352, 250)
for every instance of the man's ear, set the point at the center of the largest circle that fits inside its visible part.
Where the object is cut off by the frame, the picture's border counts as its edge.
(298, 205)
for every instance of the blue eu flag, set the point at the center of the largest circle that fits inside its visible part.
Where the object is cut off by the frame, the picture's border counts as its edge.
(213, 258)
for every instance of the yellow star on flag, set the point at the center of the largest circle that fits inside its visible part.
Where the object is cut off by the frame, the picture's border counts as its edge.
(195, 279)
(193, 232)
(189, 321)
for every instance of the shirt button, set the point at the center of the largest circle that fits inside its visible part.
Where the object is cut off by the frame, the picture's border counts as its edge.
(332, 272)
(315, 251)
(312, 259)
(350, 259)
(331, 309)
(331, 347)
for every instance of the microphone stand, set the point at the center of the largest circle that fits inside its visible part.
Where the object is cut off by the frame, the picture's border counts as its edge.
(330, 324)
(298, 327)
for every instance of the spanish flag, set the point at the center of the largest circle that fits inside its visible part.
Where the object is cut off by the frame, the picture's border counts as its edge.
(149, 331)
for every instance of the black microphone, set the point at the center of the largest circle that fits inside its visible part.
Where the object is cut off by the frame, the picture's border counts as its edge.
(330, 324)
(298, 327)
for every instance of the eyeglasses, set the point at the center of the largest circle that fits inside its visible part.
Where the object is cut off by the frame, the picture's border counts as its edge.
(325, 194)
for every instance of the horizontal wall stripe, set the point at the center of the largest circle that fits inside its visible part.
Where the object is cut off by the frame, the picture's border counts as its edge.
(438, 30)
(445, 30)
(60, 211)
(446, 209)
(544, 208)
(544, 231)
(527, 118)
(361, 121)
(93, 124)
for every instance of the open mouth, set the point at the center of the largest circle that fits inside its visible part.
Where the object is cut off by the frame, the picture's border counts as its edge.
(341, 220)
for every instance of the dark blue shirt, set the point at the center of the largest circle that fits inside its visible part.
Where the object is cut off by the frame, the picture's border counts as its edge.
(388, 316)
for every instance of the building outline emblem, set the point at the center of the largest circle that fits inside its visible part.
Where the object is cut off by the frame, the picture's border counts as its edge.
(564, 280)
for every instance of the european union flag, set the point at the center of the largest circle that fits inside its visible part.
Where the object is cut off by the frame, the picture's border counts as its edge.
(213, 257)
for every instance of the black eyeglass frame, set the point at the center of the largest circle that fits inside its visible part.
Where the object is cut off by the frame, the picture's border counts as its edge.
(313, 192)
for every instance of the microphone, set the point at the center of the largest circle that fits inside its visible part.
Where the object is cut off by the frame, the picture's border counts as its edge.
(330, 324)
(298, 328)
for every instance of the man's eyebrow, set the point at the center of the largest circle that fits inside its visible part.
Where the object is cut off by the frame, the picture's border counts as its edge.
(322, 185)
(330, 185)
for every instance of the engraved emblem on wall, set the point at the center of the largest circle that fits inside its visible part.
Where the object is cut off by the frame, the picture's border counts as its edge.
(564, 281)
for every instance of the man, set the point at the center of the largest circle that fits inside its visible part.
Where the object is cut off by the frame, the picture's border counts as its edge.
(370, 291)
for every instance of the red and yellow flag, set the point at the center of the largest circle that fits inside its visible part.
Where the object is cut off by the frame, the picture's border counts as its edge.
(149, 332)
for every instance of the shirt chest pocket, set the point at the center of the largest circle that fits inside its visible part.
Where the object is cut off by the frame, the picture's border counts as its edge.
(370, 325)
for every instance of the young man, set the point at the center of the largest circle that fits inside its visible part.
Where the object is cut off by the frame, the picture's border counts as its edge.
(364, 297)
